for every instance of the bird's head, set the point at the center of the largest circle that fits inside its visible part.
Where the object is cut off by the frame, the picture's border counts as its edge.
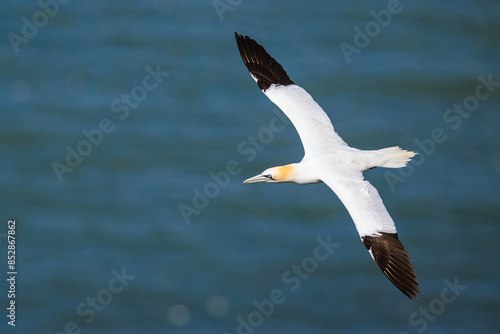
(274, 175)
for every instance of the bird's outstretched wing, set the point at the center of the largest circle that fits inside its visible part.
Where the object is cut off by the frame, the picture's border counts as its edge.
(376, 229)
(312, 123)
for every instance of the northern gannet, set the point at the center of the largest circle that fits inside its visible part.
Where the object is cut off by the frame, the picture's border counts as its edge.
(330, 160)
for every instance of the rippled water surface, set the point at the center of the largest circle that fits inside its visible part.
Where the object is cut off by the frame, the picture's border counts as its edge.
(127, 128)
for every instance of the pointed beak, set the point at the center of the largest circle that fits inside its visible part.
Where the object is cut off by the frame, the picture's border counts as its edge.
(256, 178)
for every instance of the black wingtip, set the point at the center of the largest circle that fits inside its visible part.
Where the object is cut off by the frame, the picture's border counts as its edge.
(260, 64)
(393, 260)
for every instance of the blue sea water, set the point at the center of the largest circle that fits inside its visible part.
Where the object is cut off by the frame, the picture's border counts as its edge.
(128, 127)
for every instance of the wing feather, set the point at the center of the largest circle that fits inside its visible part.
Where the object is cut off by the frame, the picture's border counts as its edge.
(377, 230)
(311, 122)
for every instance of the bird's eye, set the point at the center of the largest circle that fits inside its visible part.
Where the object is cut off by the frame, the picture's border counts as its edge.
(269, 176)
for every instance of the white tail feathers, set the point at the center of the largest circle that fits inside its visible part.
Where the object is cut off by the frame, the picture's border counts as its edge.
(395, 157)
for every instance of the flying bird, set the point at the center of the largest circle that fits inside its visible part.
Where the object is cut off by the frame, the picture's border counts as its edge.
(330, 160)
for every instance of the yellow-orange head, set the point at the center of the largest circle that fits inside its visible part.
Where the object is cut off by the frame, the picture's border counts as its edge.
(275, 174)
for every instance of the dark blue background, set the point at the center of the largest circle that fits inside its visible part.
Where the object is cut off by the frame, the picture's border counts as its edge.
(118, 212)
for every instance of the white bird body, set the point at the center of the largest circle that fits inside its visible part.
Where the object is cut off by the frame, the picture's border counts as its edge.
(328, 159)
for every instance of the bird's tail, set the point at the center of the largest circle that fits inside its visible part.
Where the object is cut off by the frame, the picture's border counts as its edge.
(395, 157)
